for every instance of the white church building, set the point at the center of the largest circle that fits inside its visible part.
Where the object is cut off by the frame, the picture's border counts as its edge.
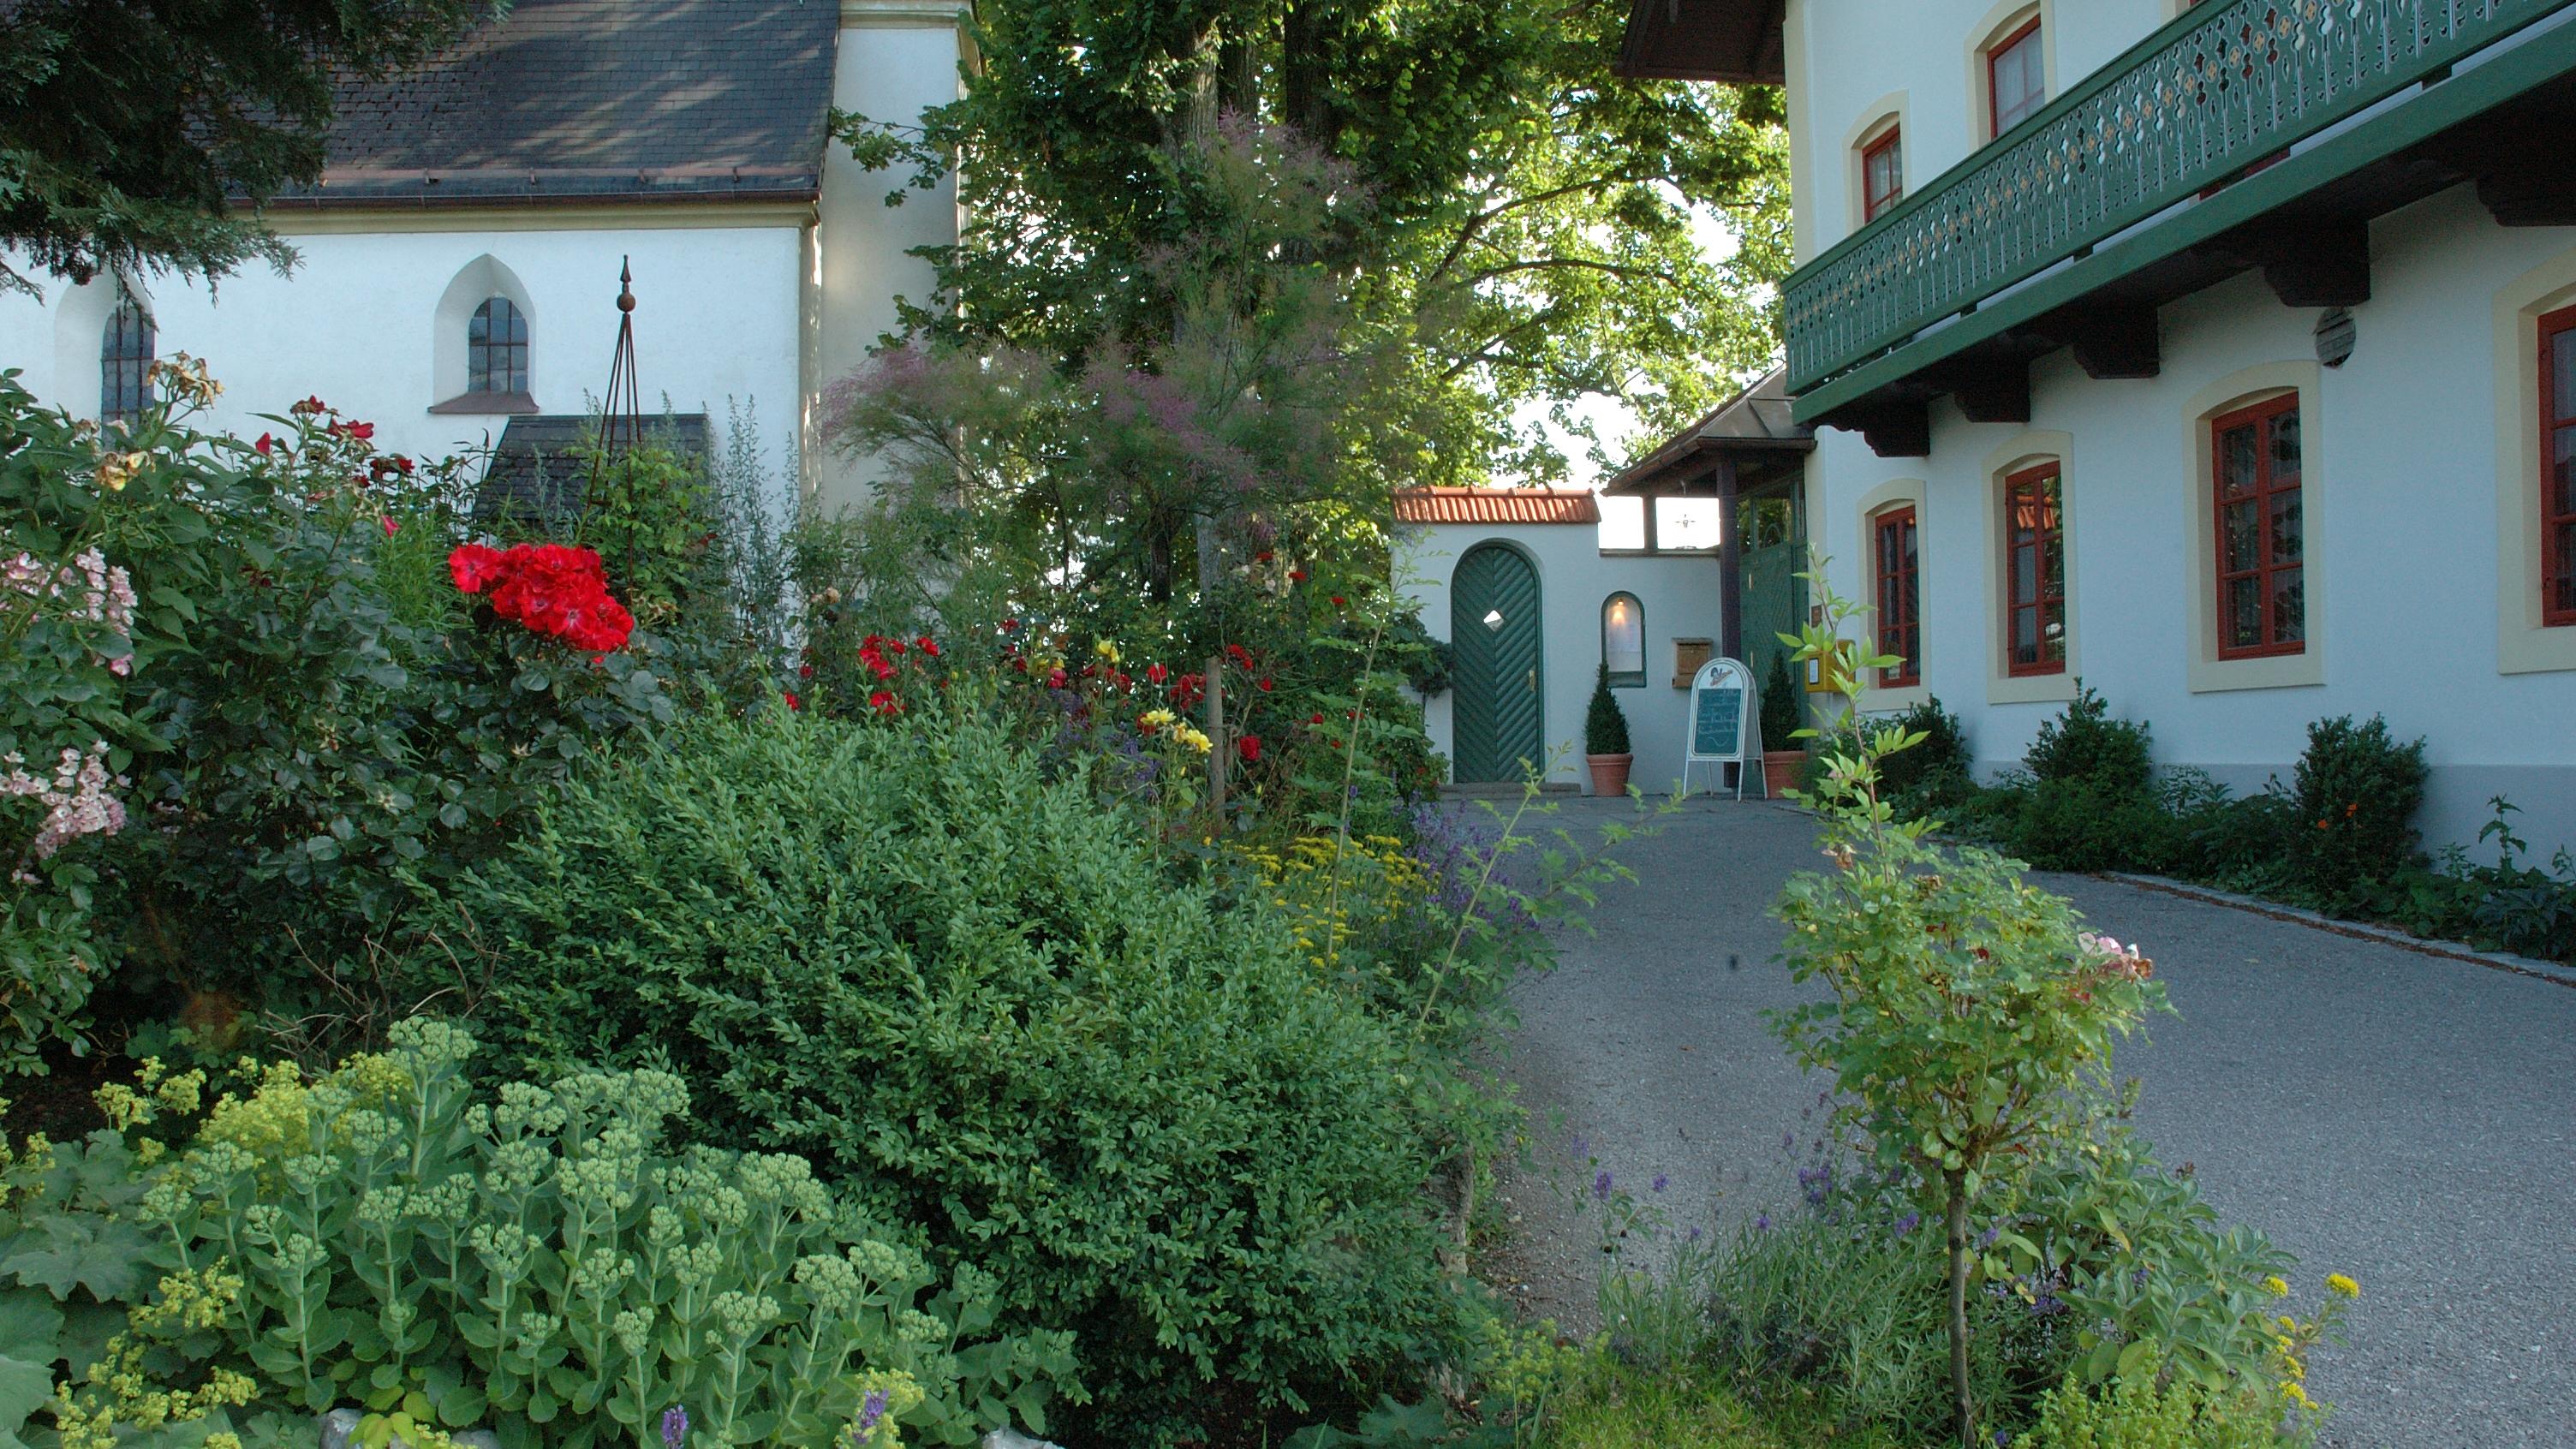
(2219, 354)
(460, 256)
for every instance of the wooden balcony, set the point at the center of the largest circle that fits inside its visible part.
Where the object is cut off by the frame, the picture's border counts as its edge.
(2178, 164)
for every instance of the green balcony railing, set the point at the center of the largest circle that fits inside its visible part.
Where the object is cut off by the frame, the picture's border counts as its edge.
(2227, 84)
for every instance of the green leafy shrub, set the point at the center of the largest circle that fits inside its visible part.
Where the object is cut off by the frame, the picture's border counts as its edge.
(2357, 791)
(538, 1263)
(1938, 765)
(980, 999)
(2140, 1413)
(278, 673)
(2086, 744)
(2084, 825)
(1605, 725)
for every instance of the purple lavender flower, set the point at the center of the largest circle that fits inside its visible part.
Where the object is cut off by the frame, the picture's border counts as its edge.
(1987, 1238)
(1662, 1182)
(1694, 1234)
(675, 1427)
(1582, 1148)
(1908, 1223)
(871, 1409)
(1761, 1224)
(1601, 1185)
(1788, 1141)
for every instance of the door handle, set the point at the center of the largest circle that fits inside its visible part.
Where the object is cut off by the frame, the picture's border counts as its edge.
(1533, 681)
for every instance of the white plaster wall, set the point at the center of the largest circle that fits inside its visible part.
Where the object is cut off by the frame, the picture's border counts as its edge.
(1847, 56)
(356, 324)
(2402, 450)
(1681, 596)
(898, 58)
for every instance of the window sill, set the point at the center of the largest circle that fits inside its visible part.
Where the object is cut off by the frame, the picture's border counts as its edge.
(2212, 675)
(486, 404)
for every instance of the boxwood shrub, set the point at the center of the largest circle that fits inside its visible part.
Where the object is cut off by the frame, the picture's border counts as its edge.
(988, 1004)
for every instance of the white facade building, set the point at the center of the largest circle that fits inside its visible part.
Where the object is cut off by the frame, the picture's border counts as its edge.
(1518, 583)
(522, 169)
(2233, 373)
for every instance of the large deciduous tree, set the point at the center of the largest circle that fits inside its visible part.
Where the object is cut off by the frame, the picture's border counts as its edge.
(1534, 229)
(134, 133)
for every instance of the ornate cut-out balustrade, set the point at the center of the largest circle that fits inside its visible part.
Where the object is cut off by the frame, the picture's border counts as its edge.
(2228, 84)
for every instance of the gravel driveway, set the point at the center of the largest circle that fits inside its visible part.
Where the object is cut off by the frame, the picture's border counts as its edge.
(2404, 1118)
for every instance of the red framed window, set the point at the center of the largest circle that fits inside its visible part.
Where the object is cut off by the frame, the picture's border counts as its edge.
(2035, 571)
(2558, 467)
(1882, 174)
(1897, 563)
(2016, 77)
(2262, 583)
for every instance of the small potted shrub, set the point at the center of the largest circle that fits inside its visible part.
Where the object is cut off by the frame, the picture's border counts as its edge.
(1784, 758)
(1605, 739)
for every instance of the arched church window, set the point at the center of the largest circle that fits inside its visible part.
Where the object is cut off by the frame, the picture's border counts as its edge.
(496, 348)
(125, 363)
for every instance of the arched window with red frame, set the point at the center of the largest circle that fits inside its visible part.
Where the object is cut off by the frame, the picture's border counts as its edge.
(1896, 561)
(2016, 77)
(1882, 173)
(2035, 571)
(2558, 467)
(2257, 513)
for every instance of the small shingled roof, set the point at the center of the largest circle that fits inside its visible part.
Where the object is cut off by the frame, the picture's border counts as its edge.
(535, 474)
(1495, 506)
(1756, 420)
(596, 100)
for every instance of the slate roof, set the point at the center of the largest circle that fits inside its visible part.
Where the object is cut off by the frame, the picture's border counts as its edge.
(533, 477)
(1495, 505)
(597, 100)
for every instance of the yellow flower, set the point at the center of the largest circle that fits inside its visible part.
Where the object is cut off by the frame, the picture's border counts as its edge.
(115, 470)
(2341, 1286)
(1154, 719)
(1106, 650)
(2274, 1286)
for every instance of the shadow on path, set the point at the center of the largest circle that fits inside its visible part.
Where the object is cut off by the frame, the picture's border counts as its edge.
(2407, 1119)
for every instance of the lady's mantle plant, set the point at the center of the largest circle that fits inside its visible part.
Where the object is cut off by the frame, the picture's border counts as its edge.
(1970, 1015)
(543, 1265)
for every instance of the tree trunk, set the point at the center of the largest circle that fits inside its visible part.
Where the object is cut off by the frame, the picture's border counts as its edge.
(1958, 1225)
(1208, 566)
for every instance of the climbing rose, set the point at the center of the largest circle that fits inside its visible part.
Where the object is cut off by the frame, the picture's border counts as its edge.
(1248, 746)
(792, 701)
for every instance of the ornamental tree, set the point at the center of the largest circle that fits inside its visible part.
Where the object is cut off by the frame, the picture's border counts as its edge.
(1970, 1015)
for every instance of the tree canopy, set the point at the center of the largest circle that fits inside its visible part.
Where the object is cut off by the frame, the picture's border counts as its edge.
(136, 135)
(1532, 229)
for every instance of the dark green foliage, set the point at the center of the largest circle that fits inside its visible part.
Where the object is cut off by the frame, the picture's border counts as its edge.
(1605, 725)
(2087, 826)
(2357, 791)
(129, 134)
(902, 950)
(1939, 763)
(1423, 660)
(1783, 715)
(2086, 744)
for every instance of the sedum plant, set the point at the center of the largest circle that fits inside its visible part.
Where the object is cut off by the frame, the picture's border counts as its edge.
(543, 1265)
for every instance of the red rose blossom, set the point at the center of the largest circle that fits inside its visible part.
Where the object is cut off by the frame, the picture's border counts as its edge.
(1248, 746)
(793, 702)
(264, 444)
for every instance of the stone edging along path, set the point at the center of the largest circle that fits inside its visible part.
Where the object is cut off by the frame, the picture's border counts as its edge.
(2549, 971)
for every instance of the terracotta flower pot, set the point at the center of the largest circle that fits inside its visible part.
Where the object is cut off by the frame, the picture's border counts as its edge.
(1609, 773)
(1780, 771)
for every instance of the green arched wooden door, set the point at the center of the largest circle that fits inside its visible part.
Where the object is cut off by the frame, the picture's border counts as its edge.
(1494, 702)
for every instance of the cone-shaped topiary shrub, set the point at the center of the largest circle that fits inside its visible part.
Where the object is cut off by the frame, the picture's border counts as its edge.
(1605, 727)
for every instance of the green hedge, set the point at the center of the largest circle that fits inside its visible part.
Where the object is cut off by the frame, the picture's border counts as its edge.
(901, 950)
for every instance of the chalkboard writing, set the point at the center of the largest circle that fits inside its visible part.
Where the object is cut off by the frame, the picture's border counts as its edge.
(1716, 732)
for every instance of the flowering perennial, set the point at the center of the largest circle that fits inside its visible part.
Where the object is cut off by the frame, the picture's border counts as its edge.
(96, 592)
(548, 587)
(75, 798)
